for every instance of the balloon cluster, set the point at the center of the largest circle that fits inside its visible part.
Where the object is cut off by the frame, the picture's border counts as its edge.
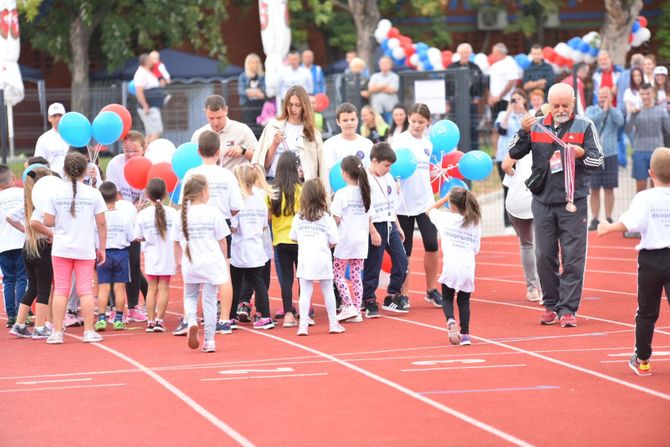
(417, 56)
(565, 55)
(112, 124)
(639, 32)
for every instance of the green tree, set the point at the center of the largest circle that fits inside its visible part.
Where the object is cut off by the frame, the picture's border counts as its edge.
(117, 29)
(663, 34)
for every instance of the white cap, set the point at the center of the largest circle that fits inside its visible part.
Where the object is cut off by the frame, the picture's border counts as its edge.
(56, 109)
(660, 70)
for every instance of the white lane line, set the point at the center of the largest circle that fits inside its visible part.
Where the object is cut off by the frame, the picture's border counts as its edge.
(462, 416)
(512, 281)
(218, 379)
(202, 411)
(37, 382)
(449, 368)
(626, 361)
(53, 388)
(656, 354)
(548, 359)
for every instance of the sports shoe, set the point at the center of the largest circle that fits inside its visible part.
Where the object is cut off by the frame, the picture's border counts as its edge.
(632, 235)
(610, 220)
(151, 326)
(233, 324)
(30, 321)
(347, 313)
(639, 367)
(118, 325)
(549, 317)
(182, 329)
(192, 340)
(71, 320)
(395, 304)
(311, 312)
(310, 321)
(264, 323)
(56, 338)
(533, 294)
(452, 330)
(159, 326)
(137, 314)
(223, 327)
(11, 321)
(41, 334)
(404, 299)
(21, 332)
(371, 309)
(209, 346)
(244, 312)
(100, 325)
(303, 330)
(280, 313)
(292, 323)
(92, 336)
(465, 340)
(434, 298)
(336, 329)
(357, 319)
(568, 320)
(593, 226)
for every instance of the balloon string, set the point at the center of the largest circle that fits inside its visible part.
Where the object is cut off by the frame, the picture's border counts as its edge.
(173, 191)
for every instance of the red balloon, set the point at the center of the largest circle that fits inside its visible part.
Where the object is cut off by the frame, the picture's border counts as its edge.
(163, 171)
(405, 41)
(569, 63)
(446, 57)
(409, 50)
(452, 159)
(393, 32)
(630, 38)
(492, 59)
(386, 263)
(124, 114)
(322, 102)
(135, 172)
(643, 21)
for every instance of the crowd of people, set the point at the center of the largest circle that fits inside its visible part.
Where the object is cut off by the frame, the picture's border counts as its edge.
(253, 201)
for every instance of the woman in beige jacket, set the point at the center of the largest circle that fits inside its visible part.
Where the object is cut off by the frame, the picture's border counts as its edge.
(294, 130)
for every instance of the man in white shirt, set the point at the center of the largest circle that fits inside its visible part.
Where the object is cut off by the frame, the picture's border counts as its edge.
(503, 76)
(238, 141)
(50, 144)
(383, 88)
(148, 107)
(294, 74)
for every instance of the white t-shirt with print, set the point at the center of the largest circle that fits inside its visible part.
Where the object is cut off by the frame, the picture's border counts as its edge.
(115, 175)
(120, 229)
(248, 241)
(383, 197)
(158, 252)
(336, 148)
(459, 247)
(416, 193)
(649, 214)
(53, 147)
(224, 191)
(353, 230)
(75, 236)
(519, 197)
(206, 227)
(315, 261)
(10, 238)
(293, 141)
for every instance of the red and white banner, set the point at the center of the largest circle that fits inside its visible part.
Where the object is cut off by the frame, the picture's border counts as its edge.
(276, 37)
(10, 48)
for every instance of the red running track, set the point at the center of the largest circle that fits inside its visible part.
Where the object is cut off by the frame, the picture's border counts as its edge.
(391, 381)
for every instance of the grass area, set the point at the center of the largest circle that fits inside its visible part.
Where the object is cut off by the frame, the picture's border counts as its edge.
(17, 166)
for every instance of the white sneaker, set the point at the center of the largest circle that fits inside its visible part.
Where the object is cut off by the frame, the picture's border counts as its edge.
(209, 346)
(452, 329)
(303, 330)
(347, 313)
(357, 319)
(337, 329)
(92, 337)
(56, 338)
(533, 295)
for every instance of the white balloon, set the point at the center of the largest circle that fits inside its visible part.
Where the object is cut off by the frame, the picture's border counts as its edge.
(398, 53)
(456, 57)
(44, 189)
(482, 62)
(160, 150)
(637, 39)
(556, 68)
(434, 52)
(380, 35)
(563, 49)
(644, 33)
(589, 60)
(577, 56)
(435, 58)
(385, 25)
(393, 42)
(414, 59)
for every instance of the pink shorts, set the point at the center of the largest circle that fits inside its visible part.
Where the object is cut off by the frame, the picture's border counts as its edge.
(158, 277)
(83, 271)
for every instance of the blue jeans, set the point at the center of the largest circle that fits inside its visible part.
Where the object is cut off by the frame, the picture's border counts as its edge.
(373, 264)
(14, 280)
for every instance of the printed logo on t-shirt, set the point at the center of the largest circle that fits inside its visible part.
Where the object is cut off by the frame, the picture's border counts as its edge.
(360, 154)
(426, 151)
(388, 190)
(230, 143)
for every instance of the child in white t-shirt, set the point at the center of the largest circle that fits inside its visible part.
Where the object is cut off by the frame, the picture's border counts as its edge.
(315, 232)
(348, 142)
(75, 210)
(200, 247)
(153, 226)
(461, 237)
(649, 214)
(351, 210)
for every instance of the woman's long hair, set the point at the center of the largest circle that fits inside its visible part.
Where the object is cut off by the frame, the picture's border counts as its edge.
(286, 182)
(32, 244)
(309, 128)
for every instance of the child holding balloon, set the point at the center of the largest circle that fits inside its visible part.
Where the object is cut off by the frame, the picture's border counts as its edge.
(461, 235)
(416, 194)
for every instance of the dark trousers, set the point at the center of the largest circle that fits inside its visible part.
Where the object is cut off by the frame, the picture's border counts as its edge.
(288, 260)
(247, 288)
(137, 280)
(40, 275)
(373, 264)
(501, 173)
(653, 274)
(254, 277)
(14, 279)
(463, 301)
(555, 228)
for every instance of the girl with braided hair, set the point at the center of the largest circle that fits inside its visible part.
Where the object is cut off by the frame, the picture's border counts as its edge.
(200, 247)
(74, 211)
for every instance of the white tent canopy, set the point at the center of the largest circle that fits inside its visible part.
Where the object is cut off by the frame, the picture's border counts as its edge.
(11, 84)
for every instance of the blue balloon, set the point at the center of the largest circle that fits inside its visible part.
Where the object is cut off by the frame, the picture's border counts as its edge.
(29, 169)
(107, 128)
(636, 26)
(185, 157)
(75, 129)
(175, 196)
(335, 177)
(472, 57)
(574, 43)
(522, 60)
(475, 165)
(428, 66)
(452, 183)
(385, 44)
(405, 164)
(584, 47)
(421, 47)
(444, 135)
(594, 52)
(131, 88)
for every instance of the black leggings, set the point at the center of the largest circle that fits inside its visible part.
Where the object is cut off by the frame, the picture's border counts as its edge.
(254, 277)
(40, 276)
(248, 290)
(137, 280)
(463, 300)
(426, 228)
(288, 259)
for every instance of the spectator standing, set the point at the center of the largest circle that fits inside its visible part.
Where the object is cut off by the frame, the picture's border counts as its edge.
(318, 79)
(149, 104)
(383, 88)
(464, 51)
(354, 83)
(663, 94)
(539, 73)
(536, 100)
(251, 88)
(631, 97)
(636, 60)
(50, 144)
(158, 69)
(293, 74)
(373, 126)
(648, 66)
(606, 75)
(582, 71)
(503, 76)
(399, 123)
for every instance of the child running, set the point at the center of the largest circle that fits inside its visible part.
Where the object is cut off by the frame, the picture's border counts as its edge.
(153, 226)
(249, 260)
(461, 234)
(200, 250)
(315, 232)
(351, 210)
(649, 213)
(75, 210)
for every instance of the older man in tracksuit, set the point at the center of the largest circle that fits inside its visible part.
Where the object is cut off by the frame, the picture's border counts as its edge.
(555, 225)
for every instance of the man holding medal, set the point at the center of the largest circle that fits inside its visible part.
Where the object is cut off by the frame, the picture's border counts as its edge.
(565, 148)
